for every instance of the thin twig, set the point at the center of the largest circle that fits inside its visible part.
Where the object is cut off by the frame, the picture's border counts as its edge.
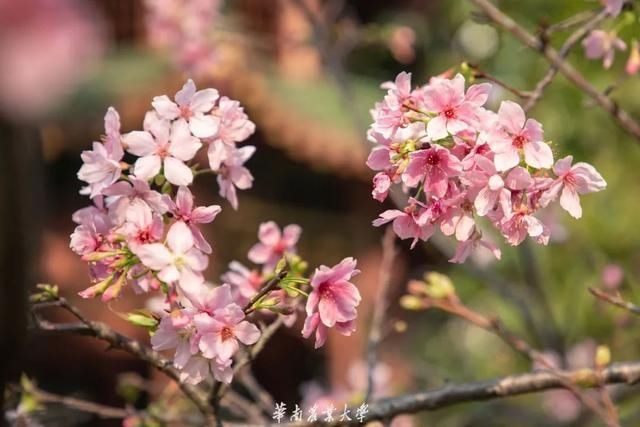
(568, 45)
(479, 74)
(269, 286)
(116, 340)
(615, 300)
(389, 252)
(624, 120)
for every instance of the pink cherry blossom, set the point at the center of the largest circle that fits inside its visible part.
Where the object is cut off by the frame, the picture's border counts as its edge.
(191, 107)
(244, 282)
(613, 7)
(166, 145)
(120, 195)
(516, 226)
(178, 255)
(519, 133)
(235, 125)
(465, 248)
(233, 174)
(274, 244)
(456, 110)
(581, 178)
(332, 301)
(90, 234)
(388, 115)
(101, 166)
(142, 226)
(220, 328)
(435, 166)
(603, 44)
(183, 210)
(410, 223)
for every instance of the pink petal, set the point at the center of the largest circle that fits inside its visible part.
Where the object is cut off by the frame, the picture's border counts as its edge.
(165, 107)
(506, 160)
(328, 311)
(154, 255)
(203, 100)
(518, 179)
(184, 95)
(247, 333)
(139, 143)
(205, 214)
(204, 126)
(511, 116)
(437, 128)
(179, 238)
(183, 145)
(176, 172)
(147, 167)
(538, 154)
(184, 200)
(570, 201)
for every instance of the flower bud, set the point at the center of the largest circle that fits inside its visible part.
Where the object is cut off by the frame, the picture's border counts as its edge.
(603, 356)
(439, 285)
(410, 302)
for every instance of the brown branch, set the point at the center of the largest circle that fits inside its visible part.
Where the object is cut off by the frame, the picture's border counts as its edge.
(624, 120)
(389, 253)
(568, 45)
(479, 74)
(269, 286)
(615, 300)
(116, 340)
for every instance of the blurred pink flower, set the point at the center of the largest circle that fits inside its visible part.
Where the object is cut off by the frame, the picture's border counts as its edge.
(401, 44)
(603, 44)
(613, 7)
(612, 276)
(46, 47)
(274, 244)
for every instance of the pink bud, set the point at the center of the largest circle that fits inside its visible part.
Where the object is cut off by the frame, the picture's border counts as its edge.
(633, 64)
(612, 275)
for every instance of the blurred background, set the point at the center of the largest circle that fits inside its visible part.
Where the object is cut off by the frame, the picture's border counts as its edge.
(307, 76)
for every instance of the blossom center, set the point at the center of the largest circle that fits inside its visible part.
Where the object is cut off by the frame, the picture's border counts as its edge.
(449, 113)
(325, 291)
(163, 151)
(185, 112)
(519, 141)
(432, 159)
(226, 333)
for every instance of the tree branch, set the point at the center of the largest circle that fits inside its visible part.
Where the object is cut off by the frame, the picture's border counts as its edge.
(624, 120)
(116, 340)
(615, 300)
(389, 252)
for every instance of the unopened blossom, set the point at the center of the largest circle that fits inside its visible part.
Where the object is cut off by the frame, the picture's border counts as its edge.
(612, 276)
(274, 244)
(183, 210)
(456, 110)
(101, 166)
(519, 134)
(178, 255)
(167, 146)
(332, 301)
(381, 186)
(435, 166)
(603, 44)
(581, 178)
(191, 107)
(633, 63)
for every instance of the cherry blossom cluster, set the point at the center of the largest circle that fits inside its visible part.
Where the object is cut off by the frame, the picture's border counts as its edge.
(603, 44)
(143, 231)
(183, 28)
(459, 161)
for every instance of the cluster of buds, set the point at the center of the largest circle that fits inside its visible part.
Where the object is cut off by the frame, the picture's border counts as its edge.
(143, 231)
(459, 161)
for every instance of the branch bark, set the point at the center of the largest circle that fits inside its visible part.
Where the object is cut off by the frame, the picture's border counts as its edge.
(500, 19)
